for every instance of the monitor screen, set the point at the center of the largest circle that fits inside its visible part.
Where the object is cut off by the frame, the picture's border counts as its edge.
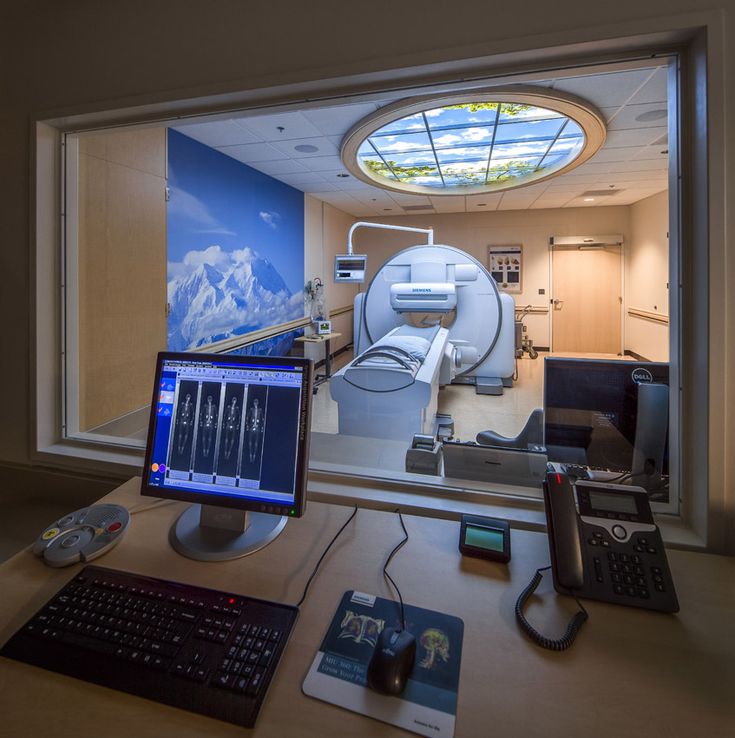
(350, 267)
(594, 413)
(230, 431)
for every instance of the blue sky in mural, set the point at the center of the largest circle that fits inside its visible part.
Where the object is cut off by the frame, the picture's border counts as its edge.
(235, 247)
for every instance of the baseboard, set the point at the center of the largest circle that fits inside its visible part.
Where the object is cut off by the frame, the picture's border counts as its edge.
(76, 489)
(636, 356)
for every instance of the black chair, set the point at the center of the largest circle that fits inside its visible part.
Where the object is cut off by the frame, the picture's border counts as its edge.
(531, 437)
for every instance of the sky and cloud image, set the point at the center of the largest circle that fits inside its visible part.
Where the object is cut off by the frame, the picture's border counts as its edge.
(235, 247)
(470, 144)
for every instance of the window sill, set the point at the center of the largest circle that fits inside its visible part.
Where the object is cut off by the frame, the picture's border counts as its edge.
(415, 494)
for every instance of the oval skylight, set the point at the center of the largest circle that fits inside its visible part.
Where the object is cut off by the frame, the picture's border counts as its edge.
(472, 143)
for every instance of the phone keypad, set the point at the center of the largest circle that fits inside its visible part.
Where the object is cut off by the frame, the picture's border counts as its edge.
(629, 571)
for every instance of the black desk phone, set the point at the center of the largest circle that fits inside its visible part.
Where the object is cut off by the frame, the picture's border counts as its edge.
(606, 546)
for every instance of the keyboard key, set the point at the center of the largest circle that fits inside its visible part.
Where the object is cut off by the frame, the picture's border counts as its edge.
(256, 682)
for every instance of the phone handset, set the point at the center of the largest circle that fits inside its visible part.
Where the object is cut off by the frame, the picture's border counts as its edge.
(566, 560)
(563, 529)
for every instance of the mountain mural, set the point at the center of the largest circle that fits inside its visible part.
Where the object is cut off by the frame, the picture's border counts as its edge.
(214, 295)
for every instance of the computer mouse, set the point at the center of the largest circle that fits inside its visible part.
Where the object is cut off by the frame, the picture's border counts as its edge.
(392, 661)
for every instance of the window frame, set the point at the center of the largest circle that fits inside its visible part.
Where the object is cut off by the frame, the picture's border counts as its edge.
(695, 528)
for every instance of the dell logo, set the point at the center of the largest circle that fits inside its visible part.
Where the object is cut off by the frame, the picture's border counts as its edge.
(642, 376)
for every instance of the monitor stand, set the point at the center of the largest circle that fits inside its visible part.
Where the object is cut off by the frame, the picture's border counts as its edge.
(210, 533)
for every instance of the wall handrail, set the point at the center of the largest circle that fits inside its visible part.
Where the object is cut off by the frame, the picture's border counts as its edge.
(648, 315)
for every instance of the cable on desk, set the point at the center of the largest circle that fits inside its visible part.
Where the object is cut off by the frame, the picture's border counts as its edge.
(324, 553)
(573, 626)
(144, 507)
(388, 560)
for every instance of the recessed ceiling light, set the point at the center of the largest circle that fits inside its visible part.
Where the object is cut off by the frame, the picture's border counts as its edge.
(306, 148)
(589, 199)
(651, 115)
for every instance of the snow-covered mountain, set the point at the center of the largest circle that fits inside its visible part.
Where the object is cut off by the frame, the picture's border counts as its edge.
(216, 295)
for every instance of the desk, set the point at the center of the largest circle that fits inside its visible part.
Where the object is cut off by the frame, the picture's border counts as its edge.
(324, 338)
(630, 671)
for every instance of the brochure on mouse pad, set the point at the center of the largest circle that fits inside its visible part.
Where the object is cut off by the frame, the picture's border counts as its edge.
(338, 674)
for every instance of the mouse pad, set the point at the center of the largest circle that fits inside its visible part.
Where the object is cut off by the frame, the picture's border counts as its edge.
(338, 674)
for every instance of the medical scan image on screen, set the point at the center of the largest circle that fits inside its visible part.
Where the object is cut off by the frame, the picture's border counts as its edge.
(227, 430)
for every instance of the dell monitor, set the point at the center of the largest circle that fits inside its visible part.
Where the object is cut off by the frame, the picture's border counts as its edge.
(229, 434)
(609, 416)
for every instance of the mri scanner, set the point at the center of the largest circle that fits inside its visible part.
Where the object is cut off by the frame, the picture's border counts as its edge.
(432, 315)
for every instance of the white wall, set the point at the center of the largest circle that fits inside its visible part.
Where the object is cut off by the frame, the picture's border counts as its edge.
(647, 277)
(325, 232)
(474, 232)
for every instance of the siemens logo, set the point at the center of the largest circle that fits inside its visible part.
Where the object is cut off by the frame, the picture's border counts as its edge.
(420, 289)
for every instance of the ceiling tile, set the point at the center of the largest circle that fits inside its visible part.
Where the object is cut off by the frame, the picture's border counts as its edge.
(483, 203)
(323, 163)
(655, 90)
(281, 166)
(634, 137)
(363, 211)
(638, 165)
(449, 204)
(218, 133)
(626, 116)
(561, 185)
(622, 153)
(375, 199)
(548, 201)
(324, 147)
(404, 199)
(605, 90)
(248, 153)
(301, 178)
(337, 120)
(348, 184)
(658, 152)
(294, 125)
(320, 186)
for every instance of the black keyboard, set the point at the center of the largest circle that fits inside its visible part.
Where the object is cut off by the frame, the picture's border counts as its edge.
(199, 649)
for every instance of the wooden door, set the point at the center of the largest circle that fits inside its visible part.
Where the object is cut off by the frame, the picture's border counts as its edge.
(586, 300)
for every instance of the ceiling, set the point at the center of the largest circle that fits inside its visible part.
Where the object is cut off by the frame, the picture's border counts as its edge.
(630, 166)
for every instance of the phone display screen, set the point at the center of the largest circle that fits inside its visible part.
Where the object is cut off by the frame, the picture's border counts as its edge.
(482, 537)
(613, 502)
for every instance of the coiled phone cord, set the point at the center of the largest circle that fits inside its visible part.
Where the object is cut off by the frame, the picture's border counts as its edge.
(559, 644)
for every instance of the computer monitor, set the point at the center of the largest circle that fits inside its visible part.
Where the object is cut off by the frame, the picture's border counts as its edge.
(609, 415)
(231, 435)
(350, 267)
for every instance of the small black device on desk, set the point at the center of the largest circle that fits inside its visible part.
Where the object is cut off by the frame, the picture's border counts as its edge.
(203, 650)
(486, 538)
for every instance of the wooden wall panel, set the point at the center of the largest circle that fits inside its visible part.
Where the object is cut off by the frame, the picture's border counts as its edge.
(122, 270)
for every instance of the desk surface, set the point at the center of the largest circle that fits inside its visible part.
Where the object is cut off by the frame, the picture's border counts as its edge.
(630, 670)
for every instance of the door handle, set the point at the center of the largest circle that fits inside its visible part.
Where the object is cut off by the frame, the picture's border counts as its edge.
(558, 304)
